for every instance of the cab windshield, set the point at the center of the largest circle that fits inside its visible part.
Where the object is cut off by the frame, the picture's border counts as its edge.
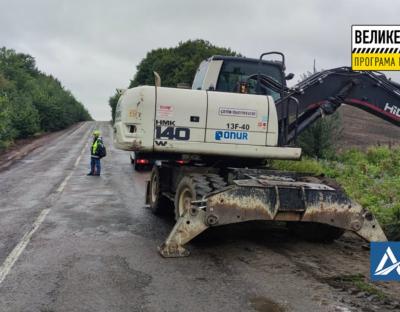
(234, 72)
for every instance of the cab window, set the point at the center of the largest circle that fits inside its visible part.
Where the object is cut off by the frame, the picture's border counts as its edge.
(233, 72)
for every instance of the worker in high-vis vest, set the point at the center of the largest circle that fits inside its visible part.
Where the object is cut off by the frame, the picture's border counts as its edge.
(97, 151)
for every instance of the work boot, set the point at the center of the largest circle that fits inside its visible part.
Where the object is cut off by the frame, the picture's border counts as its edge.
(90, 174)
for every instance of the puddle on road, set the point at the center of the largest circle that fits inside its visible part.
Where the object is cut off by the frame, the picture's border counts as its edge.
(262, 304)
(27, 161)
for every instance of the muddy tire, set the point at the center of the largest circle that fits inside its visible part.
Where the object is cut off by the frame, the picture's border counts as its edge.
(216, 181)
(158, 203)
(192, 187)
(315, 232)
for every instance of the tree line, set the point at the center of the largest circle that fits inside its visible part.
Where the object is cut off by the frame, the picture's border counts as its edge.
(32, 102)
(174, 65)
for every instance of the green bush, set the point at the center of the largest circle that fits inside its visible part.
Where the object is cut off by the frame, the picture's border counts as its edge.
(371, 178)
(24, 117)
(321, 138)
(7, 133)
(308, 165)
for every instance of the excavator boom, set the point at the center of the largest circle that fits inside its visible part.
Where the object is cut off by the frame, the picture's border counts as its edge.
(323, 93)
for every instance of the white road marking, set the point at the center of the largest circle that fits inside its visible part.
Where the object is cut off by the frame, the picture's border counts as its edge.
(17, 251)
(63, 183)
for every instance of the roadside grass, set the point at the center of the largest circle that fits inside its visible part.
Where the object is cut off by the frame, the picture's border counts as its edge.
(359, 282)
(371, 178)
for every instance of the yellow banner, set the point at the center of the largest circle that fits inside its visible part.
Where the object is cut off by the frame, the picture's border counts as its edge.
(375, 61)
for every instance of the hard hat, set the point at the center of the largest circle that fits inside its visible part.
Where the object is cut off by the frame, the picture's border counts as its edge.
(96, 133)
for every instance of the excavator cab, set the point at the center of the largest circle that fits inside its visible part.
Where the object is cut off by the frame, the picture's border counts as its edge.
(228, 73)
(250, 76)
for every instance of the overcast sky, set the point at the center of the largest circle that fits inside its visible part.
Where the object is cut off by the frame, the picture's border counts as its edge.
(94, 46)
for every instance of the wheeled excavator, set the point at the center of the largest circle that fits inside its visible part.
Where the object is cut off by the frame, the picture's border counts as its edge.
(212, 141)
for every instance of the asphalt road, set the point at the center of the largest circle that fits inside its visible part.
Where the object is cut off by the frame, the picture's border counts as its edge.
(69, 242)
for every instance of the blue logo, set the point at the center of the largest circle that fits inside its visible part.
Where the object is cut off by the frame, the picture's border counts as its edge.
(385, 261)
(231, 135)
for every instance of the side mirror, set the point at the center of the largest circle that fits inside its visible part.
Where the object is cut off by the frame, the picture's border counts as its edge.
(289, 76)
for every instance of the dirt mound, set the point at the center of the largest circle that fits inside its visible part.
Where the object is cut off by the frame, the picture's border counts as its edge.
(361, 129)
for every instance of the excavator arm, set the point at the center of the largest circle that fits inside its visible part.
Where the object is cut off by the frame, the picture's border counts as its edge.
(322, 94)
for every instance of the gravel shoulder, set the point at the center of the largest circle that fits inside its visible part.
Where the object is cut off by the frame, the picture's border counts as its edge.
(23, 147)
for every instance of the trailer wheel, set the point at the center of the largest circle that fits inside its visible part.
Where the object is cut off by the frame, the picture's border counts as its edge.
(190, 188)
(158, 203)
(315, 232)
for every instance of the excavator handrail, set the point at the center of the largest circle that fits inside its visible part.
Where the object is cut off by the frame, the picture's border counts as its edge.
(378, 76)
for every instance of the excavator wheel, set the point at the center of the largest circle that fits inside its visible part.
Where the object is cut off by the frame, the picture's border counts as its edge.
(192, 187)
(216, 181)
(315, 232)
(157, 201)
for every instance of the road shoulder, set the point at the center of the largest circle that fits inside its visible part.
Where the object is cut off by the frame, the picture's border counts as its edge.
(23, 147)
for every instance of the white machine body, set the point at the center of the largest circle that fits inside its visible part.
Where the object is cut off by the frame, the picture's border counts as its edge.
(185, 121)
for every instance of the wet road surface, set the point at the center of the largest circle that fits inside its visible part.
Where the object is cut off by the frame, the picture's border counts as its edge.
(69, 242)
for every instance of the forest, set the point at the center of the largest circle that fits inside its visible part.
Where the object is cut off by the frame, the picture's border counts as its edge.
(32, 102)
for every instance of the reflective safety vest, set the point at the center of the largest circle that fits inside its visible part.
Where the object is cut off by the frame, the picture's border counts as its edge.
(95, 145)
